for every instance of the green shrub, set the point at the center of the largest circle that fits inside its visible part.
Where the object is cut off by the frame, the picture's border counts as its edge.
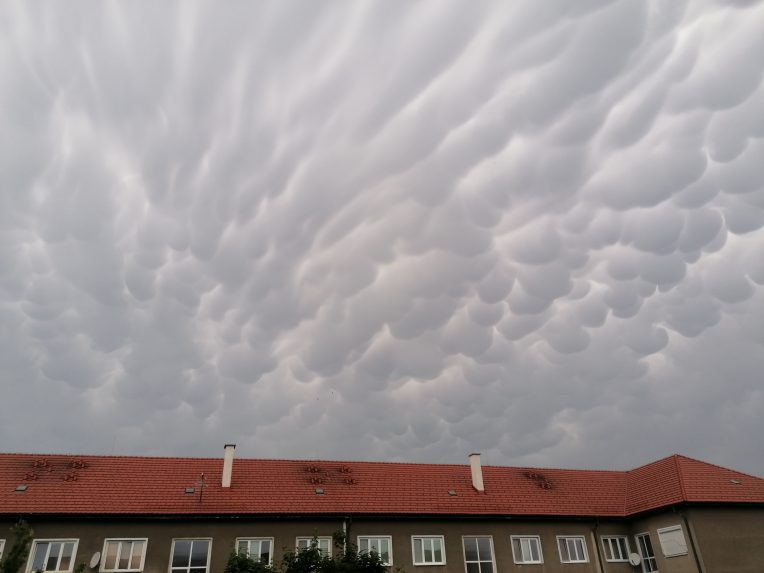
(17, 554)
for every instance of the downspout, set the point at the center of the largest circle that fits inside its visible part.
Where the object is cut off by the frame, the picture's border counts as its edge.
(693, 543)
(599, 561)
(345, 528)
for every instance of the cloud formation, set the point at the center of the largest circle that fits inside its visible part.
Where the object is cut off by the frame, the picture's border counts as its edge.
(384, 230)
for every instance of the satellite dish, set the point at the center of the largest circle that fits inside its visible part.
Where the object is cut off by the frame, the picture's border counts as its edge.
(95, 559)
(635, 559)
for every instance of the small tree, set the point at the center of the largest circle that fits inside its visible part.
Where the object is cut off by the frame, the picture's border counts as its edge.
(17, 554)
(346, 559)
(243, 563)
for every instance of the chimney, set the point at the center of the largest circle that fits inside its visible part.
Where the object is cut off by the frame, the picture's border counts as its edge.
(228, 464)
(477, 472)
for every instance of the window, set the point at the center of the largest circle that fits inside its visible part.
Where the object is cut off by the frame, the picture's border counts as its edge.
(258, 548)
(616, 548)
(478, 554)
(380, 545)
(428, 550)
(53, 554)
(572, 549)
(324, 544)
(645, 546)
(527, 549)
(2, 546)
(190, 555)
(672, 541)
(123, 554)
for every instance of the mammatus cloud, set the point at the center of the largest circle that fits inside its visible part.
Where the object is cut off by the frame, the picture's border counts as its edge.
(384, 230)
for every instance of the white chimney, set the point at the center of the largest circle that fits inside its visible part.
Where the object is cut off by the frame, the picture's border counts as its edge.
(477, 472)
(228, 464)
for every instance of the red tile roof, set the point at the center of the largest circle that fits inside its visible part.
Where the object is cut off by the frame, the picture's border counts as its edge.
(110, 485)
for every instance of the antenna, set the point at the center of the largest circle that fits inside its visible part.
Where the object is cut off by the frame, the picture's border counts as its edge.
(201, 485)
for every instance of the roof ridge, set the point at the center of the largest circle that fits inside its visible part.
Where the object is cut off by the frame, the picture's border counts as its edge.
(679, 476)
(725, 468)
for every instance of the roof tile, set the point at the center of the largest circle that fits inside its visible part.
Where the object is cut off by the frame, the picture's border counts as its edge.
(101, 485)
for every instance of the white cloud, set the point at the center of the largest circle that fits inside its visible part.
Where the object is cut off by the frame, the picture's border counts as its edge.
(384, 231)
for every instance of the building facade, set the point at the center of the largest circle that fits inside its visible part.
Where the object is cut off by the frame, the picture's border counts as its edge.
(187, 515)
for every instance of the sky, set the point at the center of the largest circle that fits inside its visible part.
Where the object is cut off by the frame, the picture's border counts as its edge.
(384, 230)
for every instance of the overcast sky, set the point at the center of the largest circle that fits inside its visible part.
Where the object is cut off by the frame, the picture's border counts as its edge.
(384, 230)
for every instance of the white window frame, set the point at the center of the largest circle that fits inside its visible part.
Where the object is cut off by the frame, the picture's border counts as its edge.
(2, 547)
(645, 559)
(479, 561)
(422, 538)
(669, 529)
(119, 540)
(610, 541)
(378, 538)
(519, 559)
(565, 538)
(258, 539)
(329, 542)
(33, 549)
(170, 568)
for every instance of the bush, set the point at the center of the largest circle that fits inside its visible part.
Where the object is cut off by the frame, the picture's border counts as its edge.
(17, 554)
(241, 563)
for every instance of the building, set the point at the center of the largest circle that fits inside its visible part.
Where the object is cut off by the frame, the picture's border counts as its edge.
(118, 514)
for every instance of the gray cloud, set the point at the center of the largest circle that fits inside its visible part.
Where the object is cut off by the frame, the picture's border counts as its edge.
(384, 231)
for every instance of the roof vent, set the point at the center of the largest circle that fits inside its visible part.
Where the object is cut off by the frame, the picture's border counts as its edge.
(735, 482)
(190, 490)
(452, 492)
(319, 491)
(21, 487)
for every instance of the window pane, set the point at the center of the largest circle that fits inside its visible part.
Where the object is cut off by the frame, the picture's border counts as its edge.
(182, 553)
(534, 546)
(135, 559)
(363, 545)
(39, 556)
(428, 551)
(66, 557)
(198, 570)
(242, 547)
(124, 554)
(486, 567)
(52, 563)
(417, 550)
(563, 549)
(517, 549)
(473, 568)
(265, 550)
(438, 550)
(199, 553)
(623, 551)
(470, 549)
(111, 555)
(484, 548)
